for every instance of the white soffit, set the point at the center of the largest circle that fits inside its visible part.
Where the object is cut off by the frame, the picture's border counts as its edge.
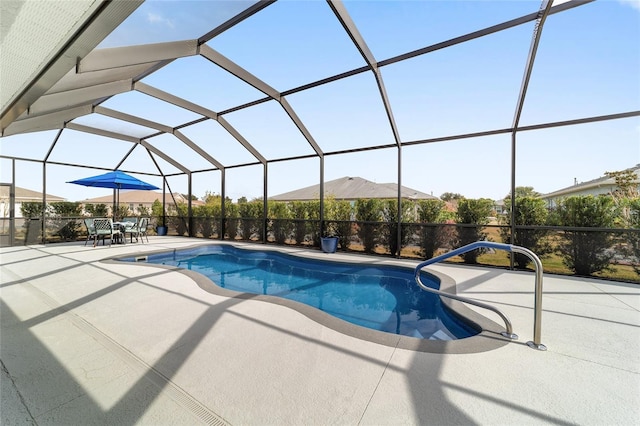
(104, 59)
(72, 80)
(41, 41)
(31, 34)
(57, 101)
(54, 120)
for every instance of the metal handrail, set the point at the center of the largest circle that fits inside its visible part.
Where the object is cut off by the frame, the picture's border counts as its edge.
(537, 323)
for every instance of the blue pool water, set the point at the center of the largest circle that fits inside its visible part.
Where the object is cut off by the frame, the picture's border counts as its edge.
(382, 298)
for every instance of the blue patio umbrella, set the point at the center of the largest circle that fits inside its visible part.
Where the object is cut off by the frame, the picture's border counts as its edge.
(116, 180)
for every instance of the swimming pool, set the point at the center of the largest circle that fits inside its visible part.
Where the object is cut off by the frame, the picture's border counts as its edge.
(379, 297)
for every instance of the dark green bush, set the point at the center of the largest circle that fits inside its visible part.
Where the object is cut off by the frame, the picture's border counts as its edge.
(338, 214)
(529, 211)
(313, 222)
(231, 219)
(250, 213)
(368, 213)
(179, 218)
(389, 233)
(633, 237)
(585, 251)
(280, 224)
(299, 212)
(63, 219)
(207, 219)
(472, 212)
(430, 212)
(97, 210)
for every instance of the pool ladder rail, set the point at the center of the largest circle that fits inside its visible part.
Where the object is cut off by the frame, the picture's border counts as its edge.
(537, 323)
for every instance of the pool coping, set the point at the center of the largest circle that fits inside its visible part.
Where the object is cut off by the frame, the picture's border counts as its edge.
(489, 337)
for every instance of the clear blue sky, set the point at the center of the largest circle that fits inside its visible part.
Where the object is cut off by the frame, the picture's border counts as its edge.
(588, 64)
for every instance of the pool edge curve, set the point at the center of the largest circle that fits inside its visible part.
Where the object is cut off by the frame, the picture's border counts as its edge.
(489, 338)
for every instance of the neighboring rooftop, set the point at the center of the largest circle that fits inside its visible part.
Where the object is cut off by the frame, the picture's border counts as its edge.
(138, 197)
(352, 188)
(604, 184)
(24, 194)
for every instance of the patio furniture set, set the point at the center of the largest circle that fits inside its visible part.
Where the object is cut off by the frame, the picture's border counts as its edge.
(101, 227)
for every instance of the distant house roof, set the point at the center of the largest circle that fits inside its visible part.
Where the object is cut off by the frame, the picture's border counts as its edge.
(25, 195)
(139, 197)
(605, 183)
(352, 188)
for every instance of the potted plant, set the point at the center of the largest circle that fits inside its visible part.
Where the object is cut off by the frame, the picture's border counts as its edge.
(161, 229)
(158, 213)
(329, 242)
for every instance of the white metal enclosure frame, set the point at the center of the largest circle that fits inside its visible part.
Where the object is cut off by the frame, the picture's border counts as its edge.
(55, 100)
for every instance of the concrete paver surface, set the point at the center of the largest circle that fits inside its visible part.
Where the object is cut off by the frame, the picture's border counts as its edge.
(90, 342)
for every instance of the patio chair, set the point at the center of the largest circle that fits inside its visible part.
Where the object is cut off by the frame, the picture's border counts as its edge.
(142, 228)
(139, 230)
(130, 226)
(103, 228)
(91, 229)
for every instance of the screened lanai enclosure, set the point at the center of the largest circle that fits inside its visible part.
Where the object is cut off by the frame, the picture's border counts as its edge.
(230, 103)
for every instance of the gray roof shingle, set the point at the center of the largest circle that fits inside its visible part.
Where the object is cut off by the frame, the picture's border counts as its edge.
(352, 188)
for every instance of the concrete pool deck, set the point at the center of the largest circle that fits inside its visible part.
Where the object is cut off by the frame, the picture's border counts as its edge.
(90, 342)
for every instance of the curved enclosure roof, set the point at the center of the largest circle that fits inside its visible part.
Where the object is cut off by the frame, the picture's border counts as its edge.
(260, 98)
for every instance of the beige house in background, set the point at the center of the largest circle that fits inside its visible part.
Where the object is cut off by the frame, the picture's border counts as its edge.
(136, 200)
(22, 195)
(600, 186)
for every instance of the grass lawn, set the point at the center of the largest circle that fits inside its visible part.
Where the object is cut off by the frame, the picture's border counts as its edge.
(551, 264)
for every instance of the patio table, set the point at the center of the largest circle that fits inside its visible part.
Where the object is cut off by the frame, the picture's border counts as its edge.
(120, 226)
